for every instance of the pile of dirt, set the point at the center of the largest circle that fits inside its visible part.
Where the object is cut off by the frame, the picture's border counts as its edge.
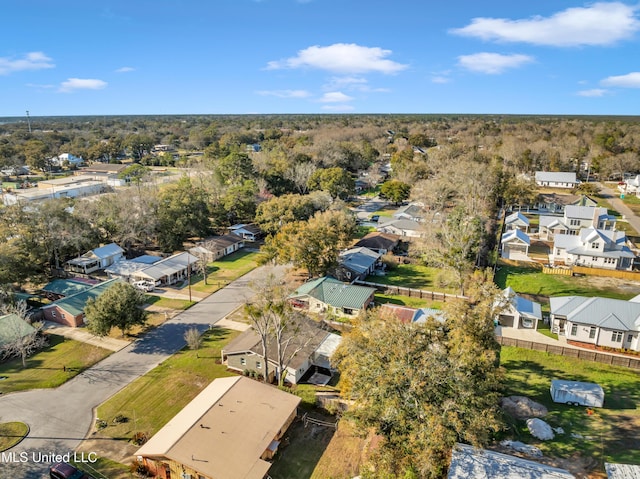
(521, 407)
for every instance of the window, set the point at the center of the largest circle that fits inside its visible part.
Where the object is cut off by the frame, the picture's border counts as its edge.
(53, 313)
(574, 329)
(243, 361)
(595, 245)
(609, 261)
(574, 223)
(592, 332)
(630, 338)
(258, 365)
(616, 336)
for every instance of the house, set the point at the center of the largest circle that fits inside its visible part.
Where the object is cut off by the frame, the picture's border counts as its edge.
(65, 159)
(60, 288)
(401, 227)
(357, 263)
(169, 270)
(95, 260)
(59, 188)
(519, 312)
(555, 203)
(254, 148)
(230, 430)
(215, 248)
(613, 323)
(126, 268)
(576, 218)
(248, 232)
(69, 311)
(557, 179)
(327, 294)
(382, 243)
(516, 221)
(312, 345)
(413, 211)
(468, 462)
(13, 327)
(405, 314)
(622, 471)
(514, 244)
(594, 248)
(631, 185)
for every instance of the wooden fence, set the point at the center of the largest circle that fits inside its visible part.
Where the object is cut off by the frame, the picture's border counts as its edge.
(627, 362)
(411, 292)
(587, 271)
(562, 271)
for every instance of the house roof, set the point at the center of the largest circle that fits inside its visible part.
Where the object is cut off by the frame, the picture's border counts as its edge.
(401, 224)
(423, 314)
(378, 240)
(525, 307)
(622, 471)
(146, 259)
(556, 176)
(249, 228)
(517, 218)
(106, 251)
(75, 304)
(552, 222)
(225, 429)
(400, 312)
(307, 336)
(607, 313)
(168, 266)
(586, 212)
(65, 287)
(613, 241)
(467, 462)
(13, 327)
(211, 245)
(515, 236)
(104, 168)
(335, 293)
(359, 259)
(125, 268)
(411, 211)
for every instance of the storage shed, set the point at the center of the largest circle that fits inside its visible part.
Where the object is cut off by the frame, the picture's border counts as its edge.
(577, 393)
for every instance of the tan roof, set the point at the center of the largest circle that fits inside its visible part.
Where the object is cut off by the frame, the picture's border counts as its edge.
(225, 429)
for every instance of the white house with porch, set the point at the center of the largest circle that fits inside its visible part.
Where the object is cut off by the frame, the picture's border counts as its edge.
(516, 221)
(557, 179)
(514, 244)
(574, 219)
(95, 260)
(593, 248)
(519, 312)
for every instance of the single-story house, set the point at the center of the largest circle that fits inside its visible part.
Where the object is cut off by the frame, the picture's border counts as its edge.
(308, 341)
(613, 323)
(126, 268)
(60, 288)
(519, 312)
(69, 311)
(406, 314)
(468, 462)
(412, 211)
(357, 263)
(594, 248)
(557, 179)
(401, 227)
(249, 232)
(95, 260)
(169, 270)
(622, 471)
(230, 430)
(630, 185)
(215, 248)
(328, 294)
(516, 221)
(382, 243)
(514, 244)
(65, 158)
(85, 187)
(13, 327)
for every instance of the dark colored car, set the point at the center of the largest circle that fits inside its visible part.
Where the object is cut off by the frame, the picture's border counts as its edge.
(62, 470)
(375, 218)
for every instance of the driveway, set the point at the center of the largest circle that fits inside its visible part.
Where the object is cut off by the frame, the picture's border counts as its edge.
(363, 212)
(61, 418)
(614, 198)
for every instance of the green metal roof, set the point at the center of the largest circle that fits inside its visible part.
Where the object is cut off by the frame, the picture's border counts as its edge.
(65, 287)
(12, 327)
(75, 304)
(335, 293)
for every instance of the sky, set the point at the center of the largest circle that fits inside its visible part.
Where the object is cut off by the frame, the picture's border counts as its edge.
(138, 57)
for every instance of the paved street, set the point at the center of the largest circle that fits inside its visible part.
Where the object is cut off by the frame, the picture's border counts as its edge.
(61, 418)
(614, 198)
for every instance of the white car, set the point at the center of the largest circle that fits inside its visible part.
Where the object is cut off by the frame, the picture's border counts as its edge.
(146, 286)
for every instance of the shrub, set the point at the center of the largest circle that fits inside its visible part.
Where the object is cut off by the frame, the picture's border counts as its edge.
(100, 424)
(120, 419)
(139, 438)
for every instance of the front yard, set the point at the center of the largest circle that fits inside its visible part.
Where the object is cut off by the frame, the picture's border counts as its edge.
(54, 365)
(415, 276)
(225, 270)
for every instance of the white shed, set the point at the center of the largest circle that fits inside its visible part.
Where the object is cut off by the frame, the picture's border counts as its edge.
(577, 393)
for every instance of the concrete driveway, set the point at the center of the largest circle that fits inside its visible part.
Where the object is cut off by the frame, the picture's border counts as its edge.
(61, 418)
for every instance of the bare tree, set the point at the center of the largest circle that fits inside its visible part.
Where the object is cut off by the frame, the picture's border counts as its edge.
(22, 337)
(194, 339)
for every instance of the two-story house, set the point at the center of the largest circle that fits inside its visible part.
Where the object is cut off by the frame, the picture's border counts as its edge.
(574, 219)
(593, 247)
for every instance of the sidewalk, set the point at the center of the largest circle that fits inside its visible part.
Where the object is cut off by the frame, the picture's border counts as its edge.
(84, 336)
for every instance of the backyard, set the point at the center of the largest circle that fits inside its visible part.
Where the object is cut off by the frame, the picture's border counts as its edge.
(416, 276)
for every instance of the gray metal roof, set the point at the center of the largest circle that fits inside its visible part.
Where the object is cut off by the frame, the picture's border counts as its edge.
(556, 176)
(106, 251)
(168, 266)
(514, 235)
(585, 212)
(622, 471)
(607, 313)
(517, 218)
(359, 259)
(552, 221)
(524, 306)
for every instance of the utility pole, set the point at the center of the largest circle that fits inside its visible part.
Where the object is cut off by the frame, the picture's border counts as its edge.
(28, 121)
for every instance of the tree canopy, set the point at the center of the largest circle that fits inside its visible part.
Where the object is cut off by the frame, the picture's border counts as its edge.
(120, 306)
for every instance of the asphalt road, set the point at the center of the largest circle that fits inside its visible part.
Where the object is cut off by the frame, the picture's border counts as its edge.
(614, 198)
(59, 419)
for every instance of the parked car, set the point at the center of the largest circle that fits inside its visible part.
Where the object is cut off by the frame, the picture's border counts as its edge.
(375, 218)
(144, 286)
(62, 470)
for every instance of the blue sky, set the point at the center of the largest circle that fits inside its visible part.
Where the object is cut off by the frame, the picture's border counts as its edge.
(114, 57)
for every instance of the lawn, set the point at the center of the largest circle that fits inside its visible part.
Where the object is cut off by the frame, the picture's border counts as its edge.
(153, 399)
(11, 433)
(406, 301)
(169, 303)
(611, 434)
(532, 281)
(416, 276)
(46, 369)
(225, 270)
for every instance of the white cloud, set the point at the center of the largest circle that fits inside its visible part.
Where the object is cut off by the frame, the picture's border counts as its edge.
(39, 86)
(346, 58)
(595, 92)
(73, 84)
(630, 80)
(440, 79)
(492, 63)
(601, 23)
(335, 97)
(285, 93)
(351, 83)
(125, 70)
(338, 107)
(31, 61)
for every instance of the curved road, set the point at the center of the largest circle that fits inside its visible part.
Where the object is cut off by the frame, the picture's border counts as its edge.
(60, 418)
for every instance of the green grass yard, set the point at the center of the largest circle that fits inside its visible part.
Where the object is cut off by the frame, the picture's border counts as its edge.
(225, 270)
(46, 368)
(416, 276)
(406, 301)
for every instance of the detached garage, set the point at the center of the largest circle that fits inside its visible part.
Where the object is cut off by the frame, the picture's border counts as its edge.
(577, 393)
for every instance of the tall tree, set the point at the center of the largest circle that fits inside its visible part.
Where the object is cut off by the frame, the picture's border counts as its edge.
(337, 181)
(21, 337)
(120, 306)
(395, 190)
